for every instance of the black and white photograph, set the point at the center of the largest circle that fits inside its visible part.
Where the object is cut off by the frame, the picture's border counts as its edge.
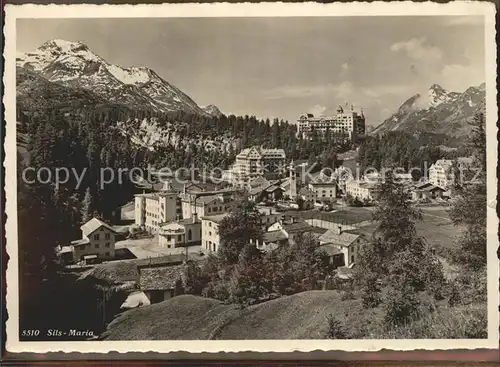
(295, 177)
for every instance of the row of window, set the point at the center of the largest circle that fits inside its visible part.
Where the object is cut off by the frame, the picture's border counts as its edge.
(107, 236)
(209, 245)
(107, 245)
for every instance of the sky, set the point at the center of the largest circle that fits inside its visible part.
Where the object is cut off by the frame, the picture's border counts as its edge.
(283, 67)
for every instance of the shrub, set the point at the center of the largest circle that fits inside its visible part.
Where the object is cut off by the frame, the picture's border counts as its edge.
(400, 304)
(335, 328)
(454, 297)
(463, 322)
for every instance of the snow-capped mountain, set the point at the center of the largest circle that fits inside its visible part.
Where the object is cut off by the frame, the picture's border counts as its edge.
(438, 95)
(74, 64)
(443, 112)
(212, 110)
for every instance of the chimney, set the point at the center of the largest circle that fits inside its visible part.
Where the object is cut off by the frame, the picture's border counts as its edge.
(195, 217)
(178, 218)
(339, 229)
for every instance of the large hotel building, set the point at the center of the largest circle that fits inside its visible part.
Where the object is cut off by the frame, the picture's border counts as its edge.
(347, 124)
(257, 162)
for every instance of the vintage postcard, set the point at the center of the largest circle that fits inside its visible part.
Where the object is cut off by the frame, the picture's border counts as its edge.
(251, 177)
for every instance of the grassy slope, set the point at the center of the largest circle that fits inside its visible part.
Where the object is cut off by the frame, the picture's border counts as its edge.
(183, 317)
(300, 316)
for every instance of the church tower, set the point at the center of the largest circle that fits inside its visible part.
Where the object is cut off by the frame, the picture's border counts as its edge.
(292, 191)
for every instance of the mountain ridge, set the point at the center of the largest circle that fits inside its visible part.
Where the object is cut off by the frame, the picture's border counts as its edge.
(74, 64)
(443, 112)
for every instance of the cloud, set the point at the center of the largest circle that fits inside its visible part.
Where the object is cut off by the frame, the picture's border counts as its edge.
(416, 49)
(342, 90)
(344, 69)
(317, 110)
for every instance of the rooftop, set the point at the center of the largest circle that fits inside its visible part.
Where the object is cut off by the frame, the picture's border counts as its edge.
(341, 239)
(66, 249)
(306, 191)
(160, 278)
(80, 242)
(93, 225)
(274, 188)
(262, 152)
(299, 226)
(274, 236)
(215, 218)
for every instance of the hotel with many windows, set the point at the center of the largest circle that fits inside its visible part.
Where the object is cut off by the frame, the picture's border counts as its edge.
(346, 124)
(256, 162)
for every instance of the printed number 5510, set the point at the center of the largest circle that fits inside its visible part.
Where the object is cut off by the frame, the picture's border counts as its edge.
(34, 332)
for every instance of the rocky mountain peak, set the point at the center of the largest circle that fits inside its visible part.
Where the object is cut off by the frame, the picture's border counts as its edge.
(74, 64)
(446, 112)
(438, 95)
(212, 110)
(63, 45)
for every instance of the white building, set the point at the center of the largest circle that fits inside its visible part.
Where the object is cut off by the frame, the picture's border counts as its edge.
(324, 186)
(210, 231)
(347, 124)
(97, 242)
(155, 208)
(308, 196)
(363, 190)
(256, 162)
(348, 244)
(205, 205)
(180, 233)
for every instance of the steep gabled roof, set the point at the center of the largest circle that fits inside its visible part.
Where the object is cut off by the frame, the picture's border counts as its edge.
(340, 239)
(93, 225)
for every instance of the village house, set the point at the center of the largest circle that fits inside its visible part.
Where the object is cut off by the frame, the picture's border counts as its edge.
(158, 282)
(324, 186)
(363, 190)
(272, 240)
(426, 191)
(210, 231)
(269, 216)
(180, 233)
(97, 242)
(335, 255)
(348, 244)
(271, 191)
(308, 196)
(291, 227)
(208, 203)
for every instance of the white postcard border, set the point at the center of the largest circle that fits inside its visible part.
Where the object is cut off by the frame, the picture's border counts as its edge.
(14, 12)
